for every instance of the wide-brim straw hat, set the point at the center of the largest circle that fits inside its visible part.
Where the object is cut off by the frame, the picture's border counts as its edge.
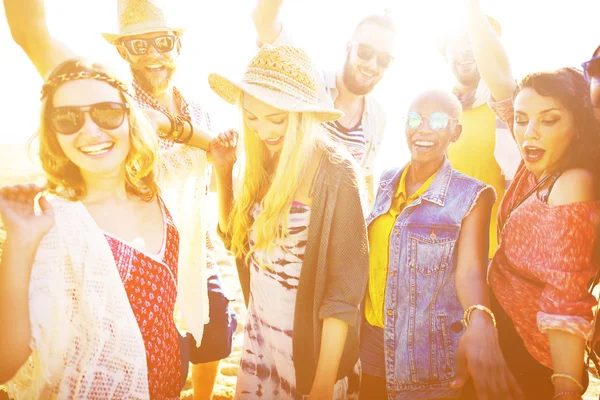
(282, 77)
(137, 17)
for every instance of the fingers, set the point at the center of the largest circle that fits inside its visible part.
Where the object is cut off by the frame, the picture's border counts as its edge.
(45, 206)
(462, 370)
(227, 139)
(21, 193)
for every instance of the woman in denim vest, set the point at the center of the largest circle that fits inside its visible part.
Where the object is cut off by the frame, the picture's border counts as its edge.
(428, 255)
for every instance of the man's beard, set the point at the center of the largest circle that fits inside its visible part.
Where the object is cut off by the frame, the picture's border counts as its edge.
(154, 85)
(352, 83)
(469, 80)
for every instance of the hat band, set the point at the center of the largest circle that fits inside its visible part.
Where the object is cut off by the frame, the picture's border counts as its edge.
(278, 81)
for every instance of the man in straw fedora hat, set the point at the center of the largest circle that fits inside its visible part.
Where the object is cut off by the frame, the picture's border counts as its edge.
(149, 40)
(369, 53)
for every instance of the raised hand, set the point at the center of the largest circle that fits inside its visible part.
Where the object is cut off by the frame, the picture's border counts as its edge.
(222, 150)
(17, 213)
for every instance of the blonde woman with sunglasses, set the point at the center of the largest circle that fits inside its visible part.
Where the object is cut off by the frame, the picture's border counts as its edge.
(89, 287)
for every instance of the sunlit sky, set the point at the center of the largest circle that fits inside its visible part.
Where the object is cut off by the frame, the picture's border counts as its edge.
(538, 34)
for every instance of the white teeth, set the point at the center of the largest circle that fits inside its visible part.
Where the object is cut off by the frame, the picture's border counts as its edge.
(424, 143)
(96, 148)
(370, 75)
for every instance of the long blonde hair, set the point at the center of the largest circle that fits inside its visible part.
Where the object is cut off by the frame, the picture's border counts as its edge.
(64, 177)
(272, 189)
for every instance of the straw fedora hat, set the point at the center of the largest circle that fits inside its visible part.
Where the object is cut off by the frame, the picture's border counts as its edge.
(137, 17)
(281, 77)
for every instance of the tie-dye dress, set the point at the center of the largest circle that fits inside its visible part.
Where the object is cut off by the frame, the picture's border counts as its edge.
(267, 367)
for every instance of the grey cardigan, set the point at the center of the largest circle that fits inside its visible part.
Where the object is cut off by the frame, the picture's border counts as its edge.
(334, 271)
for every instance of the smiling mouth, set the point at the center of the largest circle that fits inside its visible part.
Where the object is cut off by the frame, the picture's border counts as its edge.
(533, 154)
(97, 149)
(274, 142)
(423, 145)
(155, 68)
(367, 73)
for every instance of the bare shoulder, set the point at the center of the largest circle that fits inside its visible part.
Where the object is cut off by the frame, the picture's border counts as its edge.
(574, 185)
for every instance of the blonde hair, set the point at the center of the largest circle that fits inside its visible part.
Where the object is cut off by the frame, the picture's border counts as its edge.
(64, 177)
(272, 189)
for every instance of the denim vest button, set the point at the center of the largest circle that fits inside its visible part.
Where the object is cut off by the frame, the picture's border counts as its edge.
(391, 313)
(392, 273)
(456, 327)
(390, 352)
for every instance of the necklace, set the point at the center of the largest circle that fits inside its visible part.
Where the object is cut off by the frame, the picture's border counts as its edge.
(353, 121)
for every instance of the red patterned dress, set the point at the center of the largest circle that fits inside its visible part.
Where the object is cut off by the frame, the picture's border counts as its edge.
(151, 285)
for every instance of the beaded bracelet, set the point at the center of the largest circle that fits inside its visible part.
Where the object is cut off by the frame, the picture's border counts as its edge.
(557, 395)
(569, 377)
(191, 134)
(468, 311)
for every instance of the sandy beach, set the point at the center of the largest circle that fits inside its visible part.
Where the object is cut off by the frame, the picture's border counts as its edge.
(15, 167)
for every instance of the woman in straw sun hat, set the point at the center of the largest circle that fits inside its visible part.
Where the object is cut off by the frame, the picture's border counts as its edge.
(297, 230)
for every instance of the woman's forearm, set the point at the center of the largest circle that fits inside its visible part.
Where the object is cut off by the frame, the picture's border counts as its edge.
(15, 328)
(567, 352)
(224, 179)
(332, 346)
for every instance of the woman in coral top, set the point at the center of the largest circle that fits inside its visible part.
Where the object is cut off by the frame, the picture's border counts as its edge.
(89, 286)
(543, 267)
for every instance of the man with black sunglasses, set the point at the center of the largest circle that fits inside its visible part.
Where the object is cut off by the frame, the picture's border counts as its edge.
(149, 40)
(368, 56)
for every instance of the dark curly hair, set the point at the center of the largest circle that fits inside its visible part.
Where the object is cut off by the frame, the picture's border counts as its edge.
(568, 86)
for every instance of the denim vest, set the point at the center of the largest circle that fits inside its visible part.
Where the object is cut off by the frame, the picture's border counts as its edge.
(422, 313)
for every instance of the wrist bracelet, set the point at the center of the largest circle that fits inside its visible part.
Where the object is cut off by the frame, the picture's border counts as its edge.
(191, 134)
(569, 377)
(468, 311)
(557, 395)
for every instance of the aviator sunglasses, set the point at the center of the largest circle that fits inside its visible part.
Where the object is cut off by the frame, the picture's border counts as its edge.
(591, 70)
(367, 52)
(68, 120)
(437, 120)
(139, 47)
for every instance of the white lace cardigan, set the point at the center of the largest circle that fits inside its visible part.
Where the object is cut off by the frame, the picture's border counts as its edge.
(85, 341)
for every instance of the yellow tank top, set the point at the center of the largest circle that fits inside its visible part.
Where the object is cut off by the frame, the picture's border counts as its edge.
(473, 155)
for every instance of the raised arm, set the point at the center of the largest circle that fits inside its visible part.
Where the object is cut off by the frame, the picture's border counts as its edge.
(491, 57)
(27, 23)
(266, 20)
(24, 230)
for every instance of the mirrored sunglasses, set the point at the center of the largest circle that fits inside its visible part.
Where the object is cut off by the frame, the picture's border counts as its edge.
(437, 121)
(70, 119)
(139, 47)
(367, 52)
(591, 70)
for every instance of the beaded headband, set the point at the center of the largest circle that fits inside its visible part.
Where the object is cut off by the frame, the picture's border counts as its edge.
(73, 76)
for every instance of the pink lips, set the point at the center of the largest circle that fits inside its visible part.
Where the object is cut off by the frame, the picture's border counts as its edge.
(533, 154)
(274, 142)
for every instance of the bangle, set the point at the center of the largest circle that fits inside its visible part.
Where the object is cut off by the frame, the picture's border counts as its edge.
(557, 395)
(168, 135)
(569, 377)
(179, 129)
(468, 311)
(191, 134)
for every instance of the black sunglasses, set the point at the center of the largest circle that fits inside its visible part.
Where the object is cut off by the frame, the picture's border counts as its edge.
(367, 52)
(139, 47)
(68, 120)
(591, 70)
